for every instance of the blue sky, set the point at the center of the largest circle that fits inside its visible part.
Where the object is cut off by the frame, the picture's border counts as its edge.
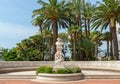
(15, 21)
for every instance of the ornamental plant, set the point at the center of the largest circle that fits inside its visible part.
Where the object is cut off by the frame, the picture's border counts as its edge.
(49, 70)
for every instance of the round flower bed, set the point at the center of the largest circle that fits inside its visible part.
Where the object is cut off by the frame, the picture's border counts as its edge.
(46, 73)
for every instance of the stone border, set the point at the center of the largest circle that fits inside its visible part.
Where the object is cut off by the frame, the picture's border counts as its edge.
(59, 77)
(12, 66)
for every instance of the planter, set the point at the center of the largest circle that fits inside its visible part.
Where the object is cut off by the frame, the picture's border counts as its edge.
(59, 77)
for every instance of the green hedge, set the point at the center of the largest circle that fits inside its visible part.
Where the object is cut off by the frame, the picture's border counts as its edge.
(44, 69)
(48, 69)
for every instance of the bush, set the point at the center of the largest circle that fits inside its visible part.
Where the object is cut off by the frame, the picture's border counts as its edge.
(63, 71)
(76, 70)
(48, 69)
(68, 70)
(10, 55)
(44, 69)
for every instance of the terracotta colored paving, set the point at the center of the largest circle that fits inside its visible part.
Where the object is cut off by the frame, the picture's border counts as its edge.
(102, 81)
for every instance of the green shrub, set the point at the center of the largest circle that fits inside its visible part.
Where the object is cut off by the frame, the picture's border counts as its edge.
(63, 71)
(68, 70)
(76, 70)
(48, 69)
(44, 69)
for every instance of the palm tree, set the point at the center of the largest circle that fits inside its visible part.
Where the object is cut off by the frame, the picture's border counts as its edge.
(76, 6)
(88, 47)
(54, 12)
(107, 38)
(47, 35)
(39, 21)
(108, 13)
(96, 37)
(64, 37)
(88, 11)
(74, 33)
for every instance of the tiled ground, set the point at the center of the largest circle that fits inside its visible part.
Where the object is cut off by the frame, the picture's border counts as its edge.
(101, 81)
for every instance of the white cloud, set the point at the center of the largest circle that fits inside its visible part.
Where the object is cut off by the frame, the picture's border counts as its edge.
(10, 34)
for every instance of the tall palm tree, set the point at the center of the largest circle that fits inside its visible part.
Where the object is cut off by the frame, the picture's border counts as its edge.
(54, 12)
(47, 36)
(76, 6)
(88, 11)
(39, 21)
(96, 37)
(74, 33)
(107, 38)
(108, 13)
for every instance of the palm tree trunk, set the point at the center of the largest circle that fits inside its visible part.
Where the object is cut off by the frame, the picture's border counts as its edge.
(115, 40)
(88, 23)
(86, 27)
(79, 23)
(107, 49)
(111, 45)
(115, 43)
(74, 47)
(111, 49)
(55, 35)
(96, 49)
(49, 50)
(40, 29)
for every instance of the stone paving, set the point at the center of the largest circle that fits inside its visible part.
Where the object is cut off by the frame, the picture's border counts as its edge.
(86, 72)
(85, 81)
(101, 81)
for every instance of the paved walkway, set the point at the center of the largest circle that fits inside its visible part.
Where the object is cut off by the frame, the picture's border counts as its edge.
(86, 72)
(86, 81)
(102, 81)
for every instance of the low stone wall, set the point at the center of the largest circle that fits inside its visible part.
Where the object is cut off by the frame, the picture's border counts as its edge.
(14, 66)
(113, 65)
(108, 65)
(18, 64)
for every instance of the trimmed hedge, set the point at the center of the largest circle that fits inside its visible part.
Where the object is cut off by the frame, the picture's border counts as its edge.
(44, 69)
(49, 69)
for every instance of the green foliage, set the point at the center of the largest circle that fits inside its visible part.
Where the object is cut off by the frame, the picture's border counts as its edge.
(88, 47)
(75, 69)
(63, 71)
(64, 37)
(11, 55)
(68, 70)
(48, 69)
(44, 69)
(31, 49)
(55, 13)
